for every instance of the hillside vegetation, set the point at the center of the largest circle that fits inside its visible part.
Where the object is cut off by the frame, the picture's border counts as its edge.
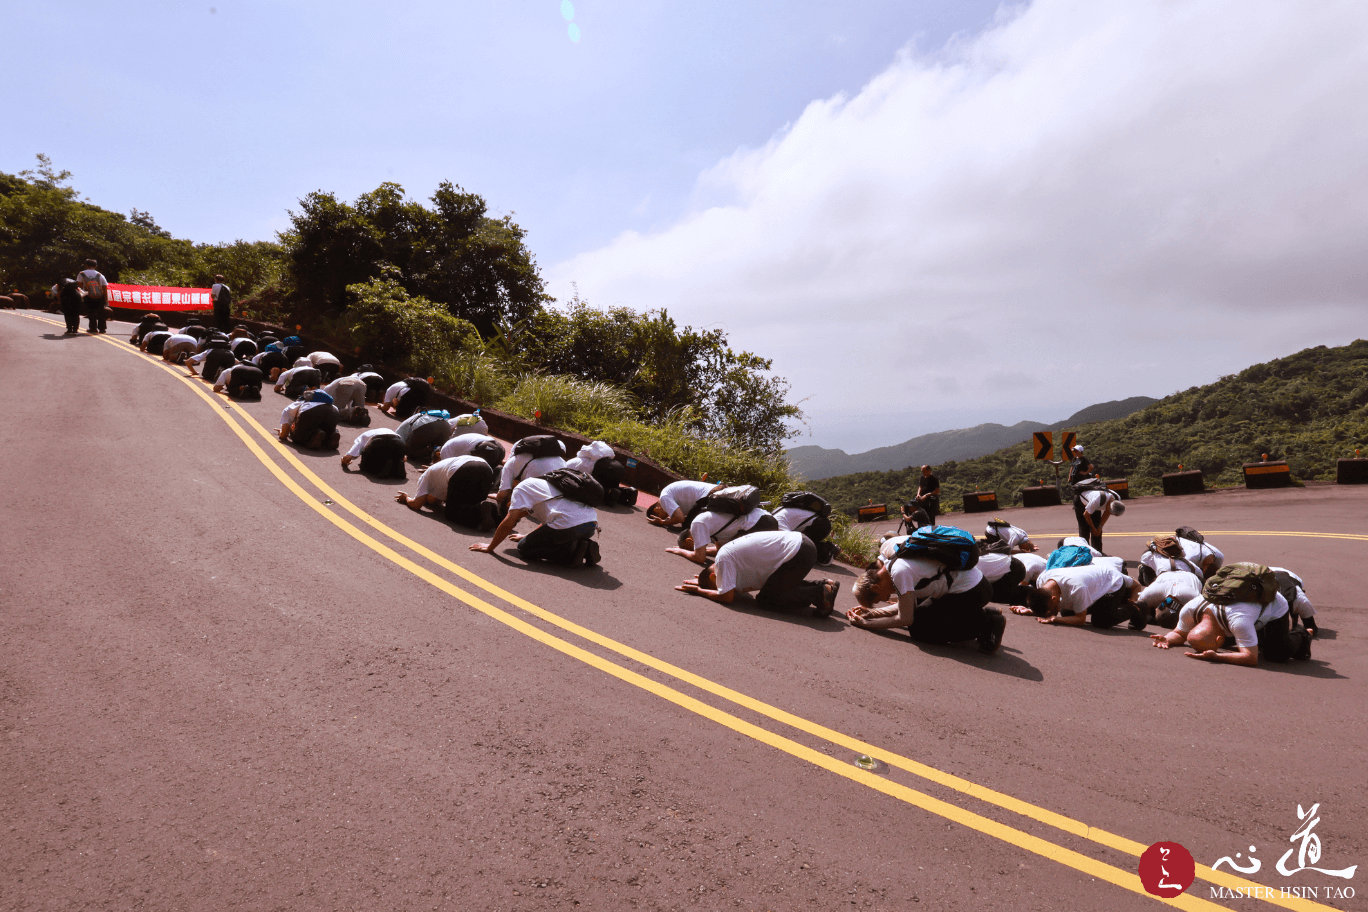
(1310, 408)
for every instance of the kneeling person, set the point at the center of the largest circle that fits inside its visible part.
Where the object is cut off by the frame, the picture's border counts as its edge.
(461, 485)
(310, 424)
(1067, 595)
(565, 535)
(775, 563)
(381, 451)
(242, 381)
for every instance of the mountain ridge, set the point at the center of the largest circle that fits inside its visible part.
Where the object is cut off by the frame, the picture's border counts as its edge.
(815, 463)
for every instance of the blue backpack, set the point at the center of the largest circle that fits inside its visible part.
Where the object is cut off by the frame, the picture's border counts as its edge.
(1069, 556)
(954, 548)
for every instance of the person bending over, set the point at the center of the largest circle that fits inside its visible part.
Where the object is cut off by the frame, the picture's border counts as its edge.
(1092, 509)
(242, 381)
(147, 324)
(565, 533)
(486, 448)
(381, 451)
(1256, 629)
(327, 363)
(349, 395)
(710, 531)
(522, 466)
(1068, 595)
(178, 347)
(303, 376)
(312, 425)
(460, 486)
(776, 564)
(404, 398)
(677, 501)
(69, 296)
(936, 605)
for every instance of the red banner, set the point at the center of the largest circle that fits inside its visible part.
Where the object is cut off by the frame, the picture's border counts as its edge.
(151, 297)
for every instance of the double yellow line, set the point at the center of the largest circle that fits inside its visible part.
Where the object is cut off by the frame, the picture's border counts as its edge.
(1121, 877)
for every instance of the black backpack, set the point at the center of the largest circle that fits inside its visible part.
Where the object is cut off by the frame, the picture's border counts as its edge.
(1190, 534)
(806, 500)
(422, 434)
(581, 487)
(491, 451)
(540, 446)
(734, 501)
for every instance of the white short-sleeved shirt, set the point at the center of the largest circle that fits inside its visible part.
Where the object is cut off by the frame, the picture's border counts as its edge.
(435, 477)
(285, 377)
(180, 339)
(682, 495)
(1197, 553)
(91, 282)
(395, 391)
(366, 437)
(1182, 585)
(748, 562)
(547, 505)
(1162, 564)
(292, 411)
(994, 566)
(1117, 563)
(235, 344)
(1013, 536)
(1300, 605)
(890, 546)
(908, 572)
(1080, 587)
(523, 467)
(199, 358)
(462, 445)
(1094, 501)
(317, 358)
(792, 519)
(717, 528)
(1034, 564)
(1243, 619)
(461, 425)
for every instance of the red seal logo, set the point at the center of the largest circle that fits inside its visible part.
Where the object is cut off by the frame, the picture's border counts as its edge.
(1167, 869)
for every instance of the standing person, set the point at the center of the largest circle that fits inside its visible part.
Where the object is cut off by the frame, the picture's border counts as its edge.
(96, 289)
(928, 494)
(1081, 468)
(69, 294)
(222, 297)
(1092, 508)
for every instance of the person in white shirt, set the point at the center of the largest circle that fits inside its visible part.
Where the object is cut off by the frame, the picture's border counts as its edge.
(521, 467)
(1118, 563)
(936, 605)
(710, 530)
(677, 501)
(96, 290)
(303, 369)
(1093, 508)
(349, 395)
(1256, 629)
(1068, 595)
(1162, 599)
(242, 381)
(328, 365)
(244, 348)
(375, 384)
(154, 342)
(812, 524)
(774, 563)
(470, 423)
(381, 451)
(565, 533)
(178, 347)
(312, 425)
(480, 445)
(404, 398)
(461, 485)
(1294, 593)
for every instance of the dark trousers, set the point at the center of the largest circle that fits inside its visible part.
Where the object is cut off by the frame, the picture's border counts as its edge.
(1275, 639)
(556, 546)
(95, 311)
(222, 316)
(1112, 608)
(931, 507)
(1005, 587)
(787, 590)
(311, 421)
(1084, 532)
(952, 618)
(73, 319)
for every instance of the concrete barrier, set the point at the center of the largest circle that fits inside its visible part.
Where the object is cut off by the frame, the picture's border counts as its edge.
(1189, 482)
(1040, 496)
(1121, 486)
(1273, 474)
(1351, 471)
(980, 502)
(872, 513)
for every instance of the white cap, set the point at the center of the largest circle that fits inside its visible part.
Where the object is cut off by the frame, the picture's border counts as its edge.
(1078, 449)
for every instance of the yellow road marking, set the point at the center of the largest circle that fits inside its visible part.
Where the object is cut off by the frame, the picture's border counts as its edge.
(911, 796)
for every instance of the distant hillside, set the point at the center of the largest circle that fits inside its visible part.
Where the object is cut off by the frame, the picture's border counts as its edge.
(814, 462)
(1310, 408)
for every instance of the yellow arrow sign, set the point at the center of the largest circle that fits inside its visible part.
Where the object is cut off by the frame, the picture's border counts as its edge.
(1043, 442)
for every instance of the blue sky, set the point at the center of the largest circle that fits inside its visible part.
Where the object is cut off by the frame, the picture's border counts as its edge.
(930, 214)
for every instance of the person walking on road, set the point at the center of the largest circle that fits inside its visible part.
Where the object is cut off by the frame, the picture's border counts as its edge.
(96, 292)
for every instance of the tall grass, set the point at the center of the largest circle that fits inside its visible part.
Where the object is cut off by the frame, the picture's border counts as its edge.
(568, 402)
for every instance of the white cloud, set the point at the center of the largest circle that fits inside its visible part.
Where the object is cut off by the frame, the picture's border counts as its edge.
(1086, 201)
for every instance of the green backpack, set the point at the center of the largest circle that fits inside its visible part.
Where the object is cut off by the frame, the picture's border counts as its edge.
(1241, 582)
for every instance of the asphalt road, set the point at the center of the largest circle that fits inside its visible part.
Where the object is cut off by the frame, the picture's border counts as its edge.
(233, 676)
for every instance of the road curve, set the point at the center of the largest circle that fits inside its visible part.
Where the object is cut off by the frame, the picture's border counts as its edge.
(233, 676)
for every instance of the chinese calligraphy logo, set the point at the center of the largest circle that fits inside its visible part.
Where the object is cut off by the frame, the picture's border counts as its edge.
(1167, 869)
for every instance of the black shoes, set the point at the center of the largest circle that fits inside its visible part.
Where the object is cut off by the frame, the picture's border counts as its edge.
(991, 638)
